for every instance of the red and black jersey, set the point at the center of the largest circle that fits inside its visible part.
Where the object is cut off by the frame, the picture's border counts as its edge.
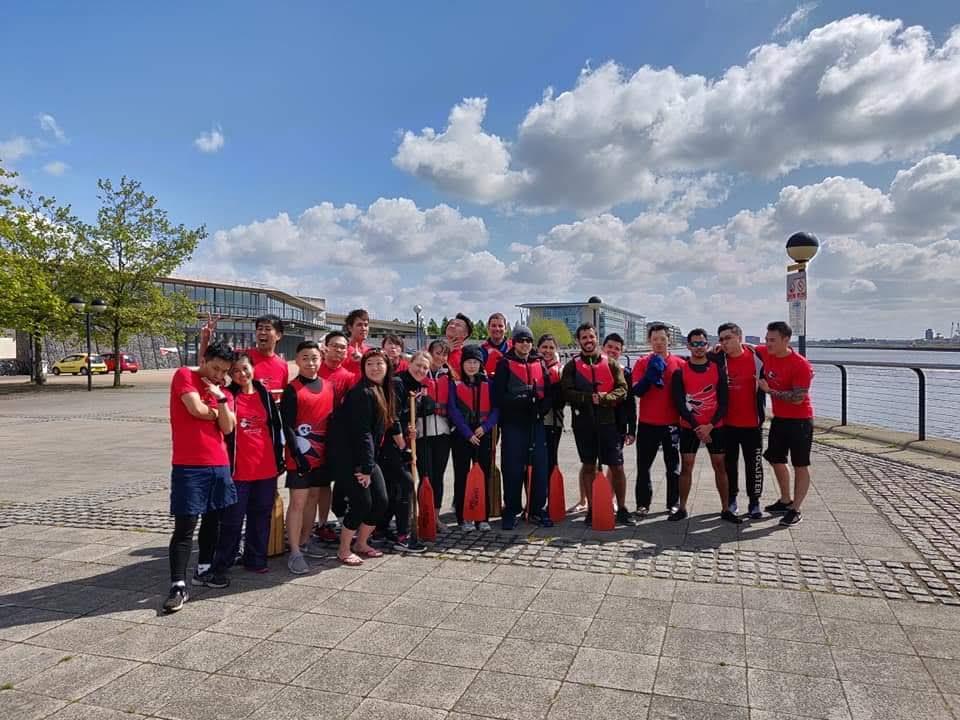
(306, 407)
(700, 394)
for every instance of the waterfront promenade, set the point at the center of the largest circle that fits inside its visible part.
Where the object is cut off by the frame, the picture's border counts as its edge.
(855, 613)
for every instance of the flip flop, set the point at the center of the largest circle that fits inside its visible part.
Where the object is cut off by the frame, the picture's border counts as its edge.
(351, 560)
(371, 553)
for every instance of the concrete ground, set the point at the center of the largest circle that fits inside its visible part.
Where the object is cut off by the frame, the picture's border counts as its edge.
(853, 614)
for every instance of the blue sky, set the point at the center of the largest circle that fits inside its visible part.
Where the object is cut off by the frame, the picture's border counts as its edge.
(312, 100)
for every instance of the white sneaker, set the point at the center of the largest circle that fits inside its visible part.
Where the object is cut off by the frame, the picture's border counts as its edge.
(468, 527)
(484, 526)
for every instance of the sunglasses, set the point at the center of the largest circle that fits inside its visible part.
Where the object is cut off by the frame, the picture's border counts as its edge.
(698, 343)
(523, 340)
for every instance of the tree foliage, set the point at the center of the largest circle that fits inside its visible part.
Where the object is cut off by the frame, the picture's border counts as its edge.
(479, 330)
(433, 330)
(132, 245)
(557, 328)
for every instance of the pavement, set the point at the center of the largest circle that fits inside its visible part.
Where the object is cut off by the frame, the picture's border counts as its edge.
(855, 613)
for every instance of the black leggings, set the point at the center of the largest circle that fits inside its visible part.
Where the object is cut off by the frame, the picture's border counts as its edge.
(650, 439)
(181, 542)
(433, 454)
(751, 440)
(554, 433)
(399, 486)
(464, 453)
(365, 505)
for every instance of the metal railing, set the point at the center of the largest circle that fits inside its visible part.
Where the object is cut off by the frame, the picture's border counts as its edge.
(919, 398)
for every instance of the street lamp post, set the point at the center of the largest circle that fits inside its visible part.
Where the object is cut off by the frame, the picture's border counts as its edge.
(801, 247)
(96, 307)
(418, 309)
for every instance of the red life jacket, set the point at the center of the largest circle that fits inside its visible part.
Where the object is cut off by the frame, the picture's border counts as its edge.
(595, 378)
(493, 354)
(313, 413)
(523, 375)
(438, 388)
(474, 402)
(554, 372)
(700, 390)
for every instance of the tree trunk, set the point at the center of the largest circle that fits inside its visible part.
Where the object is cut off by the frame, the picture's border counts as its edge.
(37, 370)
(117, 357)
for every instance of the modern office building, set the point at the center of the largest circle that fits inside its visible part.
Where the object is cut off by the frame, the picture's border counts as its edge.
(677, 336)
(238, 305)
(608, 319)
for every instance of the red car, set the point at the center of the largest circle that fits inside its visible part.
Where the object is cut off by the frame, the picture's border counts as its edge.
(127, 362)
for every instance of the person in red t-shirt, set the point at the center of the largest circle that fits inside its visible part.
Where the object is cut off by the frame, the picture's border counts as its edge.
(392, 346)
(268, 367)
(357, 328)
(200, 482)
(256, 458)
(789, 376)
(744, 417)
(457, 331)
(657, 418)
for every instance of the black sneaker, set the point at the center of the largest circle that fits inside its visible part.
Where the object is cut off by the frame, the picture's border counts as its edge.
(623, 517)
(588, 519)
(201, 579)
(677, 514)
(778, 508)
(542, 519)
(408, 544)
(730, 517)
(792, 517)
(641, 513)
(175, 600)
(218, 580)
(508, 521)
(754, 510)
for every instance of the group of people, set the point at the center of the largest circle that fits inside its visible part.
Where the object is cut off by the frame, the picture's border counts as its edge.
(355, 424)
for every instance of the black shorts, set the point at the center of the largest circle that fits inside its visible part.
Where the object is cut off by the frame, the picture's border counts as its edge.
(690, 443)
(603, 441)
(789, 435)
(318, 477)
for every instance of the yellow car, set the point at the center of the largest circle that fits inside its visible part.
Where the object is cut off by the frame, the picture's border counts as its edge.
(76, 364)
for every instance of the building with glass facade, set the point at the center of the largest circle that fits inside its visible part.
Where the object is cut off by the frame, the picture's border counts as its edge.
(608, 319)
(238, 305)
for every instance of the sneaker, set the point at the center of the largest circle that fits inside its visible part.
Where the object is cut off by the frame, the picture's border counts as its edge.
(733, 507)
(754, 510)
(588, 519)
(468, 527)
(297, 564)
(201, 579)
(327, 534)
(730, 517)
(408, 544)
(257, 570)
(175, 600)
(624, 518)
(778, 508)
(542, 519)
(641, 513)
(218, 580)
(508, 522)
(792, 517)
(483, 526)
(677, 514)
(315, 550)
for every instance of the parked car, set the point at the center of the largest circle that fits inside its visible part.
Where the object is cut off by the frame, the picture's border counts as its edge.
(76, 364)
(128, 363)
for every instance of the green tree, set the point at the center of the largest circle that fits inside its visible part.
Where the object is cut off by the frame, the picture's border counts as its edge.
(479, 330)
(557, 328)
(132, 246)
(39, 267)
(443, 325)
(433, 330)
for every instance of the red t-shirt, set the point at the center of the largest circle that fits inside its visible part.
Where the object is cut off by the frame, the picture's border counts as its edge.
(742, 386)
(655, 407)
(195, 441)
(349, 363)
(787, 373)
(453, 362)
(340, 378)
(271, 370)
(255, 458)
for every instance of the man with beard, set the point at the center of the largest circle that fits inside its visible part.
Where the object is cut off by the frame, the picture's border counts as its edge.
(496, 344)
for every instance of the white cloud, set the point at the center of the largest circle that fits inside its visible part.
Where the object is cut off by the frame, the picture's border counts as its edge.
(795, 19)
(15, 148)
(49, 124)
(211, 141)
(56, 168)
(861, 89)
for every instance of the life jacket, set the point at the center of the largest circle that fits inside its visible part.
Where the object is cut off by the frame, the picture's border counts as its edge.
(473, 402)
(593, 378)
(523, 375)
(313, 415)
(438, 389)
(554, 416)
(554, 372)
(700, 393)
(492, 354)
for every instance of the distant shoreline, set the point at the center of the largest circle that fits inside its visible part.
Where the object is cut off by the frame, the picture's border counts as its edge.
(884, 346)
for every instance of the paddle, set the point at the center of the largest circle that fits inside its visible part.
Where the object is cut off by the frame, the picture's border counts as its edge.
(414, 473)
(475, 495)
(494, 499)
(557, 503)
(601, 494)
(427, 518)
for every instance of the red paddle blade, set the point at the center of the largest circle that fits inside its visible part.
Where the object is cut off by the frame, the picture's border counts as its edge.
(557, 504)
(601, 503)
(427, 514)
(475, 496)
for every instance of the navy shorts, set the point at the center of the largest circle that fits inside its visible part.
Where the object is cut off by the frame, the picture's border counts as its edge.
(789, 435)
(318, 477)
(196, 489)
(603, 441)
(690, 443)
